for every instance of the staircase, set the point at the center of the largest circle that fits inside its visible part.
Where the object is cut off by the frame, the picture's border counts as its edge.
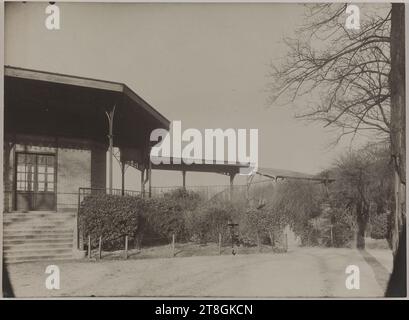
(38, 236)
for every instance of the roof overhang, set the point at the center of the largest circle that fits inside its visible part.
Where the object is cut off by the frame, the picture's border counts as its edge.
(53, 104)
(199, 165)
(287, 174)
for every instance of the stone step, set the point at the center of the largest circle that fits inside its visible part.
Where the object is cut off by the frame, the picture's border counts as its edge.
(13, 217)
(50, 218)
(44, 257)
(22, 252)
(55, 229)
(33, 246)
(39, 214)
(38, 236)
(24, 240)
(39, 225)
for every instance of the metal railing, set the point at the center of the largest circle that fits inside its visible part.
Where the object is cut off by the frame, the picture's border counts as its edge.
(83, 192)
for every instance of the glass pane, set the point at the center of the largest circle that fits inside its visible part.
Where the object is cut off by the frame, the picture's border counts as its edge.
(50, 169)
(42, 160)
(22, 185)
(50, 161)
(50, 187)
(50, 177)
(41, 169)
(21, 158)
(21, 168)
(30, 158)
(41, 186)
(41, 177)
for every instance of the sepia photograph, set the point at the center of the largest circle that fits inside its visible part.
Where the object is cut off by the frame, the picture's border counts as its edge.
(204, 150)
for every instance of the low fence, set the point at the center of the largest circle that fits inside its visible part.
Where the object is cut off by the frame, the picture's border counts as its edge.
(205, 192)
(83, 192)
(236, 193)
(131, 248)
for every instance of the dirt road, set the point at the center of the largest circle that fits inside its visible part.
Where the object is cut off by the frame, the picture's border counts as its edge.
(303, 272)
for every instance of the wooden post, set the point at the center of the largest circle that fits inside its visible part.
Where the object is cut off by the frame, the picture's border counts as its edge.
(126, 247)
(150, 177)
(184, 179)
(258, 243)
(100, 248)
(220, 243)
(143, 182)
(123, 164)
(173, 245)
(271, 234)
(332, 237)
(286, 242)
(89, 247)
(231, 175)
(110, 116)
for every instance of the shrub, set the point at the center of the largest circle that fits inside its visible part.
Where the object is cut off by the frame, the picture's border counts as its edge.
(379, 225)
(342, 235)
(148, 221)
(111, 217)
(161, 218)
(205, 223)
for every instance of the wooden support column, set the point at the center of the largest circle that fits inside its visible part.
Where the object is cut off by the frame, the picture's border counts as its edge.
(150, 178)
(184, 179)
(123, 177)
(143, 182)
(231, 175)
(110, 116)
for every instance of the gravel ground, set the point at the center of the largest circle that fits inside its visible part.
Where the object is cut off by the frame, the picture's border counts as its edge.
(301, 272)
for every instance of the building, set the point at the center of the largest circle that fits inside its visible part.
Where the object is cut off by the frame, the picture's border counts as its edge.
(57, 131)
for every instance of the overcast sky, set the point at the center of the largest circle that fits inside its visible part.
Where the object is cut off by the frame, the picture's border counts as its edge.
(203, 64)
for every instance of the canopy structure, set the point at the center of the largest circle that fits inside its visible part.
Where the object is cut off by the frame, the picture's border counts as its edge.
(57, 105)
(79, 111)
(287, 174)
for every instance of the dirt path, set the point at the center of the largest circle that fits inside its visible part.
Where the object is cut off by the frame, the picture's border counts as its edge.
(308, 272)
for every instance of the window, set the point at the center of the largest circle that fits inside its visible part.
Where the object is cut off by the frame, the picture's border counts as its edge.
(35, 173)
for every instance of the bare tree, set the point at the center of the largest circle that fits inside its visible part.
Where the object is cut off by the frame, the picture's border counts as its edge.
(353, 78)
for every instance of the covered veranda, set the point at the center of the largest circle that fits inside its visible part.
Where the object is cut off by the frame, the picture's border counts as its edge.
(50, 111)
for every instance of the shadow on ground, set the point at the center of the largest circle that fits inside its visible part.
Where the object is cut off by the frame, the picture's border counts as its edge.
(382, 274)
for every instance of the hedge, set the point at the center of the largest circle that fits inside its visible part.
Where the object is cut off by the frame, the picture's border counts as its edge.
(111, 217)
(147, 221)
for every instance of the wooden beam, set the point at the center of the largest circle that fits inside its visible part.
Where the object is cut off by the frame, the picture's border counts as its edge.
(62, 79)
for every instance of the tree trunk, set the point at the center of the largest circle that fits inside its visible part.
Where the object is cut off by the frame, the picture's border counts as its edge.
(397, 86)
(362, 218)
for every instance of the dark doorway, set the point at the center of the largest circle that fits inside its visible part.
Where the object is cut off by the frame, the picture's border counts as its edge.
(35, 182)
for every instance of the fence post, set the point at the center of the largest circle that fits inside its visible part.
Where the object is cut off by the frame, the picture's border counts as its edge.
(100, 247)
(89, 247)
(332, 236)
(271, 234)
(258, 243)
(126, 247)
(173, 245)
(220, 243)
